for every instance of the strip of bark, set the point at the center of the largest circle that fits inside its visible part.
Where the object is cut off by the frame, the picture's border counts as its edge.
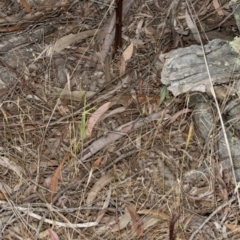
(117, 134)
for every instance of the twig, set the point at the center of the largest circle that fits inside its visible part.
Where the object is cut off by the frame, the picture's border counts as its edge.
(118, 32)
(26, 6)
(171, 226)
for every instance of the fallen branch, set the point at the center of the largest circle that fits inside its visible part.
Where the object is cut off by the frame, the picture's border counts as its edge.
(117, 134)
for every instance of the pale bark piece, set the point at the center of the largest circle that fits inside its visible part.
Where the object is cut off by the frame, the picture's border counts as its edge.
(203, 115)
(9, 164)
(118, 133)
(60, 64)
(68, 40)
(204, 120)
(9, 42)
(232, 112)
(97, 187)
(234, 144)
(185, 70)
(123, 221)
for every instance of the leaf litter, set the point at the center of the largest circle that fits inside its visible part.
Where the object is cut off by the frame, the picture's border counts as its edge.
(93, 145)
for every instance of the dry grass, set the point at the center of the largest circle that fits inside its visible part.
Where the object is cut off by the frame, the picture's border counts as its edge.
(150, 176)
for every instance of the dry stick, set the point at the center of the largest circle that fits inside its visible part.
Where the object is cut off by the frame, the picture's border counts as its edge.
(117, 134)
(118, 32)
(210, 216)
(171, 226)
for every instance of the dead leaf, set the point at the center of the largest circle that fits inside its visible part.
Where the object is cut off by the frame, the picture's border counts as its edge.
(95, 116)
(54, 180)
(123, 221)
(148, 222)
(5, 115)
(62, 107)
(2, 197)
(47, 181)
(51, 163)
(26, 6)
(94, 166)
(105, 205)
(5, 190)
(233, 227)
(154, 213)
(97, 162)
(156, 3)
(136, 220)
(127, 54)
(192, 26)
(97, 187)
(44, 234)
(9, 164)
(179, 113)
(30, 189)
(24, 232)
(68, 40)
(53, 235)
(139, 28)
(218, 8)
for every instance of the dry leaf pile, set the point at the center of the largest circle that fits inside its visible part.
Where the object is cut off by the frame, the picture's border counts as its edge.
(93, 145)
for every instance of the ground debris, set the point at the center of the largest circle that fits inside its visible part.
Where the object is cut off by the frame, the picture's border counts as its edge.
(93, 145)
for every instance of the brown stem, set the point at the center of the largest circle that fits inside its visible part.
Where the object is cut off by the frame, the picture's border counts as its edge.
(118, 32)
